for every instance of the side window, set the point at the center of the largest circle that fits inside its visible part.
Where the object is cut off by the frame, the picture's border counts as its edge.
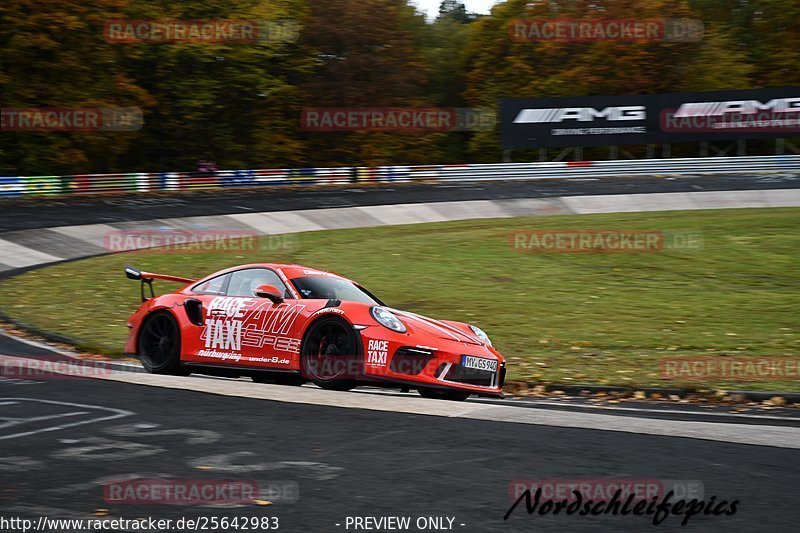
(244, 282)
(214, 286)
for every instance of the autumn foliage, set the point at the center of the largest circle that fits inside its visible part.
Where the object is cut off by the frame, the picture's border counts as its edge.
(239, 103)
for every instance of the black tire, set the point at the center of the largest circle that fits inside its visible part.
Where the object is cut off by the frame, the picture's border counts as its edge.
(291, 380)
(160, 344)
(451, 395)
(330, 354)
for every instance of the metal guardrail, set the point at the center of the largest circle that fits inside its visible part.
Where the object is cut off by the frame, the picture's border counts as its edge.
(92, 184)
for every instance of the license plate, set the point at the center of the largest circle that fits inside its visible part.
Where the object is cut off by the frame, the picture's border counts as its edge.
(479, 363)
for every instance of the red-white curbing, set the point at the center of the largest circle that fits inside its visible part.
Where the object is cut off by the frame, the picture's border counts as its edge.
(30, 248)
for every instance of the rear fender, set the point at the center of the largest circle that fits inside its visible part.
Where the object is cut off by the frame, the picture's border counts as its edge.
(168, 302)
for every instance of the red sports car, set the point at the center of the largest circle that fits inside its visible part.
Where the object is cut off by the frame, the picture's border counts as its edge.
(290, 324)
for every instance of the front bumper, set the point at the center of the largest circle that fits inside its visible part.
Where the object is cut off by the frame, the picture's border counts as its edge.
(437, 364)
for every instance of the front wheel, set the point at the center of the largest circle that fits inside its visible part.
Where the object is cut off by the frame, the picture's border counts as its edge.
(329, 355)
(436, 394)
(160, 344)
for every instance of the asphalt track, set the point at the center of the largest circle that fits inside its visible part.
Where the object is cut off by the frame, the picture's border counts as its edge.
(320, 464)
(44, 213)
(321, 457)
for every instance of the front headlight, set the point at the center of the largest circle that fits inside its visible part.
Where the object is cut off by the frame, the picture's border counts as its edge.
(388, 319)
(481, 334)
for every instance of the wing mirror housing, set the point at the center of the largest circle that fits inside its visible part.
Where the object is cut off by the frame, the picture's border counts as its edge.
(271, 292)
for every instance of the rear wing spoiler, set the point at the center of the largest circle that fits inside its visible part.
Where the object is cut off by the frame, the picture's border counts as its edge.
(147, 279)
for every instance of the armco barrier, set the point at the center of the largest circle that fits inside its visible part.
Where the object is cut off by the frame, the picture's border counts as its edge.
(33, 186)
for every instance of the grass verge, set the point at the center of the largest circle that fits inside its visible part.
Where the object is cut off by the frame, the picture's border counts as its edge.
(602, 318)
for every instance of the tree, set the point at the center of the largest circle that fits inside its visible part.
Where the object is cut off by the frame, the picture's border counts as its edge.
(366, 57)
(500, 67)
(762, 33)
(455, 11)
(231, 102)
(240, 103)
(54, 54)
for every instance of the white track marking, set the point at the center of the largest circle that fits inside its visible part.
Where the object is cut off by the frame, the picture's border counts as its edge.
(15, 463)
(192, 436)
(530, 403)
(93, 449)
(761, 435)
(231, 462)
(116, 413)
(16, 381)
(13, 421)
(647, 411)
(37, 344)
(55, 350)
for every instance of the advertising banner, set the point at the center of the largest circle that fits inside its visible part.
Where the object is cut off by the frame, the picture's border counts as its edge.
(649, 119)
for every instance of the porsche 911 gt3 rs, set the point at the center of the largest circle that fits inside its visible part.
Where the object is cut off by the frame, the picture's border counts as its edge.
(290, 324)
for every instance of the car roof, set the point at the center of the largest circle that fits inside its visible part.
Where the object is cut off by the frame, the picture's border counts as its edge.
(290, 270)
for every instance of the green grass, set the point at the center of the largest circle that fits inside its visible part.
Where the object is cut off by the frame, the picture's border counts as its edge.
(559, 318)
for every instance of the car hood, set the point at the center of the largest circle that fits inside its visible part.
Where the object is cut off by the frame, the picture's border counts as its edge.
(436, 328)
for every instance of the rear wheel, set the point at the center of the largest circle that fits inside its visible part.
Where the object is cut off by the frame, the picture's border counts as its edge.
(330, 355)
(436, 394)
(160, 344)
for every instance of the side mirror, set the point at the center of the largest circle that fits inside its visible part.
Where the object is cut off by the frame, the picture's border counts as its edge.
(269, 291)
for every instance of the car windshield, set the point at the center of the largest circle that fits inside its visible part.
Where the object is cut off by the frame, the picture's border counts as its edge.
(322, 288)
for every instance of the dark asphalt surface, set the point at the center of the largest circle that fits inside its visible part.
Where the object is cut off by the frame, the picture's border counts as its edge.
(663, 410)
(44, 213)
(332, 463)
